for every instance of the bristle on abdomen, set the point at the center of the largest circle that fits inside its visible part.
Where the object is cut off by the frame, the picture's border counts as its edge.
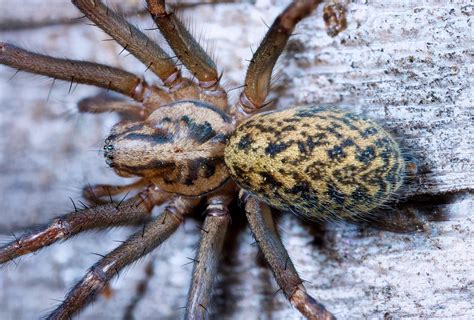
(317, 162)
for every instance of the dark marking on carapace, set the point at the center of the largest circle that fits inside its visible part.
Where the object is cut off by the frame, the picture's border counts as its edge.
(158, 138)
(200, 132)
(155, 164)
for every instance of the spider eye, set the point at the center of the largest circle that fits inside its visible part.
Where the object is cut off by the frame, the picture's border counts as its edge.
(109, 152)
(108, 147)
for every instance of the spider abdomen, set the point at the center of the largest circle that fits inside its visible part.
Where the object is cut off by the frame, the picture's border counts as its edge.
(317, 162)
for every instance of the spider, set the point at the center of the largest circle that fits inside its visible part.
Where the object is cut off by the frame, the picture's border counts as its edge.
(188, 146)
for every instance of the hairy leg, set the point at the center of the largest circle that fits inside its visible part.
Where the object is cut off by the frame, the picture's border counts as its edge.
(188, 50)
(148, 52)
(103, 103)
(259, 72)
(135, 247)
(136, 209)
(182, 42)
(263, 229)
(74, 71)
(102, 193)
(207, 257)
(131, 39)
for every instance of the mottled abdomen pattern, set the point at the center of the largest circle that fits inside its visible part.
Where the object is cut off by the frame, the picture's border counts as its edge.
(316, 162)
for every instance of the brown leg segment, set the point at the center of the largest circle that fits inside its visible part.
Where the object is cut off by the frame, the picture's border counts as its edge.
(135, 247)
(183, 44)
(102, 193)
(190, 53)
(131, 39)
(132, 211)
(74, 71)
(257, 80)
(207, 257)
(102, 103)
(263, 229)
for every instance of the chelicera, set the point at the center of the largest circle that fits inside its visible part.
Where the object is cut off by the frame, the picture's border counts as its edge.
(187, 145)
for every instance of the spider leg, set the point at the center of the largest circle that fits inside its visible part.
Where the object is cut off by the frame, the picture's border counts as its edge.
(135, 247)
(74, 71)
(102, 103)
(136, 209)
(188, 50)
(95, 193)
(207, 257)
(263, 228)
(182, 42)
(131, 39)
(259, 72)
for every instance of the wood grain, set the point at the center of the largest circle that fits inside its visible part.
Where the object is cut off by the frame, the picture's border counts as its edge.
(408, 65)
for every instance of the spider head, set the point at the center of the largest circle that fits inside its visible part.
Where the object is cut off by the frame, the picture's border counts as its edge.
(179, 147)
(133, 149)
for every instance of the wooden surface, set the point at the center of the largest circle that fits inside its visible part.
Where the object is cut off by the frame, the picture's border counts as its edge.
(405, 64)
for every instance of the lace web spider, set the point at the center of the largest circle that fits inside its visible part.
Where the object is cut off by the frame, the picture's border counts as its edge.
(184, 147)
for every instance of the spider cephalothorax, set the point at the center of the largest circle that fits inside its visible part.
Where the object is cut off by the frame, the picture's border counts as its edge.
(188, 145)
(179, 148)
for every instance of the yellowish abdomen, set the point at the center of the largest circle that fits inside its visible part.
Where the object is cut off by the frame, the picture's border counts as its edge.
(317, 162)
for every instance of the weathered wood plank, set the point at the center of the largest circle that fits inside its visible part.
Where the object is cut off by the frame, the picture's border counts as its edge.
(407, 64)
